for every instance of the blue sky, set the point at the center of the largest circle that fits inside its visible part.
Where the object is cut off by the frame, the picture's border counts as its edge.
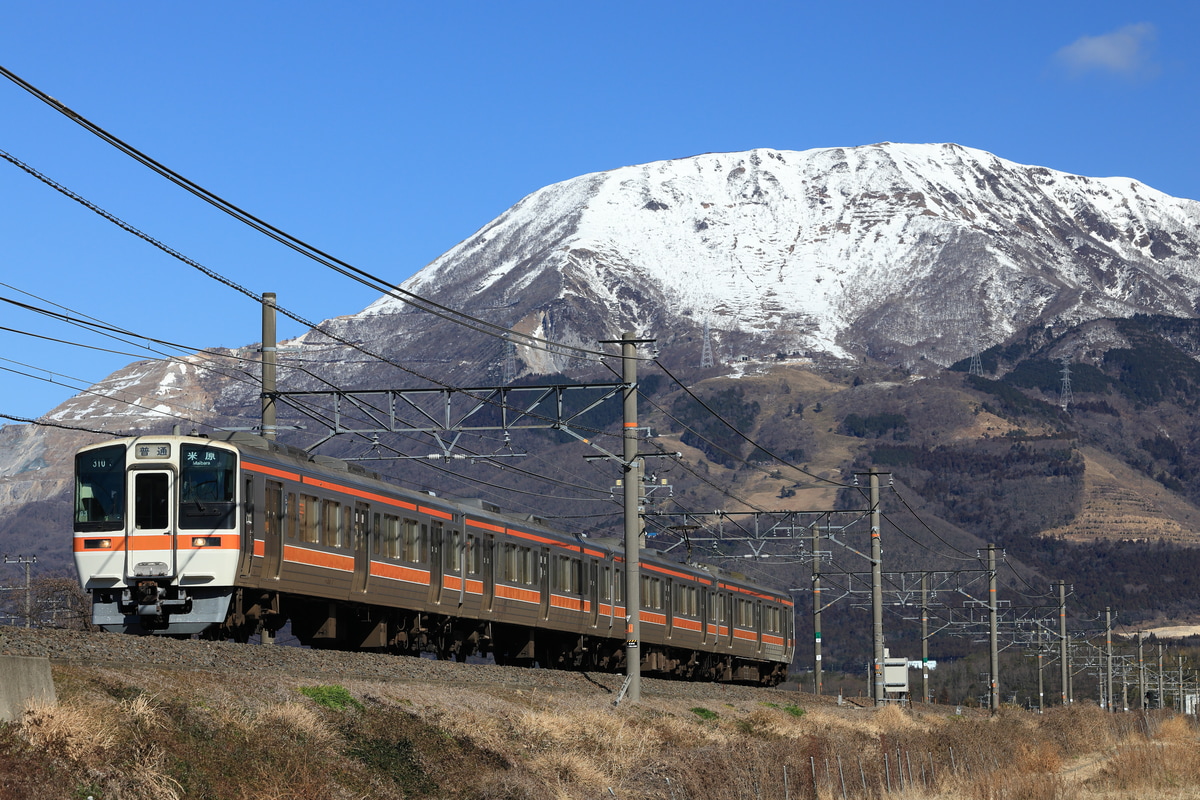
(385, 133)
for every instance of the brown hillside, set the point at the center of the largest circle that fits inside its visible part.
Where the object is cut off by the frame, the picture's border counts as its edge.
(1121, 504)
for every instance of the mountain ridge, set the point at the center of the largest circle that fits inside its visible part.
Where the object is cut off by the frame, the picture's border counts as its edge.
(799, 249)
(1020, 264)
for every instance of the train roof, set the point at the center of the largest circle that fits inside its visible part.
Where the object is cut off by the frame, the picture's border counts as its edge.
(476, 507)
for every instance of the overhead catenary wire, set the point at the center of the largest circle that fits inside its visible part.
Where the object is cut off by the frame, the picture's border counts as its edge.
(311, 412)
(43, 423)
(332, 262)
(298, 245)
(89, 391)
(232, 284)
(111, 331)
(962, 555)
(255, 222)
(741, 435)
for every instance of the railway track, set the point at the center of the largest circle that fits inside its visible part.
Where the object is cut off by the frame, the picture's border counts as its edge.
(123, 652)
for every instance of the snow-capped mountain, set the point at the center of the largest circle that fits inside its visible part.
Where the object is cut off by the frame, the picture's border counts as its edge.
(915, 254)
(899, 251)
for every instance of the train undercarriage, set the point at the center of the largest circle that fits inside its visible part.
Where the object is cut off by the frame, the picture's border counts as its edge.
(338, 625)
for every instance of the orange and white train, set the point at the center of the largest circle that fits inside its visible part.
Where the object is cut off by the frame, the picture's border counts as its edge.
(229, 535)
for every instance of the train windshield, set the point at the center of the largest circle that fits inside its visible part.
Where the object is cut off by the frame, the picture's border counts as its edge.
(207, 481)
(100, 489)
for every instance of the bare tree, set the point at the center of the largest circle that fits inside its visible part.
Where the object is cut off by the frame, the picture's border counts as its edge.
(57, 601)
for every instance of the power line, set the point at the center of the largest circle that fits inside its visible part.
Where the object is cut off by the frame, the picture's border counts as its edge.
(741, 435)
(237, 287)
(43, 424)
(966, 556)
(300, 246)
(110, 331)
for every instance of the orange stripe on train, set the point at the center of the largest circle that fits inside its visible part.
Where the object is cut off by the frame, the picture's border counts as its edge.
(397, 572)
(318, 558)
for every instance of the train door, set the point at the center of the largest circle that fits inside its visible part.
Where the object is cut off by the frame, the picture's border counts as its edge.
(487, 566)
(758, 625)
(669, 606)
(727, 613)
(543, 580)
(360, 538)
(789, 638)
(246, 558)
(704, 621)
(435, 563)
(593, 589)
(453, 572)
(152, 543)
(274, 514)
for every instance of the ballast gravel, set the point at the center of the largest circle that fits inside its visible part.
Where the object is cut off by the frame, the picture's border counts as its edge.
(120, 650)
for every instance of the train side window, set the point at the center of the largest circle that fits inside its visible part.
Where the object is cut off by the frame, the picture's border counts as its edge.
(652, 592)
(310, 519)
(291, 514)
(508, 563)
(474, 555)
(524, 564)
(606, 583)
(451, 552)
(558, 573)
(391, 536)
(413, 549)
(619, 586)
(683, 601)
(566, 577)
(331, 523)
(745, 613)
(273, 497)
(377, 529)
(520, 564)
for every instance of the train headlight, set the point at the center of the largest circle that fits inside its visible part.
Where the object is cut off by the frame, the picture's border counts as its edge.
(206, 541)
(97, 544)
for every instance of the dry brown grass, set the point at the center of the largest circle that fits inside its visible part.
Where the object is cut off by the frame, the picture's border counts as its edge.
(171, 735)
(111, 742)
(1176, 728)
(76, 733)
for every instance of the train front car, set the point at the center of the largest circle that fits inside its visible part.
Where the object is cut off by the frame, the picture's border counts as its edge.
(157, 533)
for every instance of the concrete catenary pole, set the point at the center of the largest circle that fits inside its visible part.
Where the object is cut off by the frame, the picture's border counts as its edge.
(925, 637)
(269, 353)
(816, 581)
(1141, 674)
(631, 495)
(1041, 686)
(1064, 666)
(877, 589)
(1108, 660)
(993, 633)
(1161, 688)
